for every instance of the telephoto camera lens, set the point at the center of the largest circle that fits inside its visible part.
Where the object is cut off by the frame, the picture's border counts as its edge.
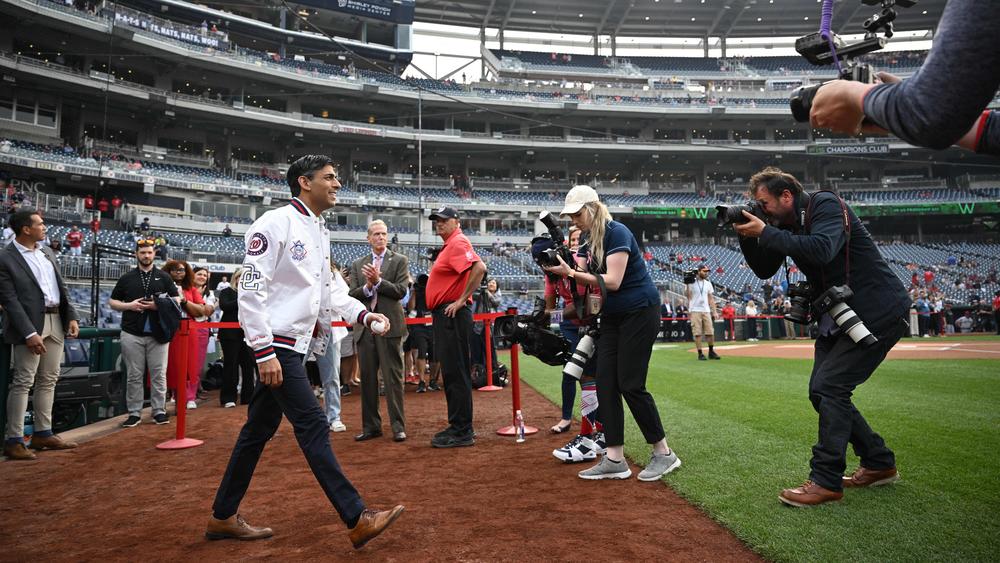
(852, 325)
(584, 351)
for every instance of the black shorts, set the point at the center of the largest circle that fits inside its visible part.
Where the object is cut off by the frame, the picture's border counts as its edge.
(420, 340)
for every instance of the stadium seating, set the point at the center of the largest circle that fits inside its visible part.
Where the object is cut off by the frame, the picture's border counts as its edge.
(895, 61)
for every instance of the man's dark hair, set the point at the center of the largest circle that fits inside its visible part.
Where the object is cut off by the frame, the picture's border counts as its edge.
(21, 219)
(305, 166)
(775, 181)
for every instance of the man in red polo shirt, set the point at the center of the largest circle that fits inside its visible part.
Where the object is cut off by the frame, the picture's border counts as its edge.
(453, 278)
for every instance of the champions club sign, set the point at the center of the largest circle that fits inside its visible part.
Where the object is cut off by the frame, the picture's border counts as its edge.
(183, 33)
(396, 11)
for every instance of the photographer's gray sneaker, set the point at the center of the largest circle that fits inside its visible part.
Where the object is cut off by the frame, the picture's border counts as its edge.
(660, 465)
(607, 469)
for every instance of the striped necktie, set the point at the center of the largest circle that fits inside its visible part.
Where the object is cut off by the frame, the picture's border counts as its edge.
(377, 264)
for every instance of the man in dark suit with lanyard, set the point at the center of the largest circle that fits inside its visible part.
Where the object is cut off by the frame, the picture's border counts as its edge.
(38, 316)
(832, 248)
(379, 281)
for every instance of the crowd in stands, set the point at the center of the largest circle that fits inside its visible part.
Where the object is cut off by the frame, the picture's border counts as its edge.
(512, 89)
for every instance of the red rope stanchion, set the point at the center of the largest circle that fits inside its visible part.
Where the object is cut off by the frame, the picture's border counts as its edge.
(181, 442)
(488, 346)
(515, 390)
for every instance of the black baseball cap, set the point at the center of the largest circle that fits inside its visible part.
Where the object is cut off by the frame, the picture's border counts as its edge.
(444, 213)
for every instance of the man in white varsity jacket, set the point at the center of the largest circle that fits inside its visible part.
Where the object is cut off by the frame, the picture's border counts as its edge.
(287, 299)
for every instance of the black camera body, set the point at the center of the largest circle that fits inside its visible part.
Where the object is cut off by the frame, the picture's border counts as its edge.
(820, 50)
(690, 276)
(534, 335)
(550, 257)
(832, 301)
(733, 214)
(800, 295)
(801, 98)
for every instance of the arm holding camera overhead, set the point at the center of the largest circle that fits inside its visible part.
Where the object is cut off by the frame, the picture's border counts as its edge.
(943, 103)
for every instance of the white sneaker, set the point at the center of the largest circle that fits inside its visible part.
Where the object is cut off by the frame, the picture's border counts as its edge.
(191, 405)
(229, 405)
(337, 426)
(581, 448)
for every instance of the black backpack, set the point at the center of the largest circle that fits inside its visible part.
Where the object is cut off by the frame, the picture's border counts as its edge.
(212, 379)
(500, 378)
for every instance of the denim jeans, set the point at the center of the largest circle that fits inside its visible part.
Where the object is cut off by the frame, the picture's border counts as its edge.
(329, 373)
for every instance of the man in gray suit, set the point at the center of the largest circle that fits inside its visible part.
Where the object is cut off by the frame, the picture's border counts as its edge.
(38, 316)
(380, 280)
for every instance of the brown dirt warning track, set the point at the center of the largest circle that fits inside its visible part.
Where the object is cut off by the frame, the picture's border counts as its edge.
(117, 498)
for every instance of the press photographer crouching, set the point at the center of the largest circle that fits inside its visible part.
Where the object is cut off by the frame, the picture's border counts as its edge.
(859, 304)
(629, 322)
(580, 361)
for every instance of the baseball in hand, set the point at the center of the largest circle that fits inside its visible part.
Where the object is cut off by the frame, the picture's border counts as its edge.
(377, 326)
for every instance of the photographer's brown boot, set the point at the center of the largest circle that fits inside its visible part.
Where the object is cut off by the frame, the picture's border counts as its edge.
(864, 477)
(809, 494)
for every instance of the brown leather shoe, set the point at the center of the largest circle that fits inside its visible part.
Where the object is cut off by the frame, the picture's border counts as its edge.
(808, 494)
(372, 523)
(863, 477)
(52, 442)
(17, 452)
(234, 527)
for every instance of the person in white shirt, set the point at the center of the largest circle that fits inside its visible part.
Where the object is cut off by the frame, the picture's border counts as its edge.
(286, 296)
(37, 319)
(703, 311)
(329, 364)
(751, 313)
(7, 237)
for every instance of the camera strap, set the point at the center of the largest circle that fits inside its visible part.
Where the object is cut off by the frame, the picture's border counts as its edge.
(579, 301)
(846, 217)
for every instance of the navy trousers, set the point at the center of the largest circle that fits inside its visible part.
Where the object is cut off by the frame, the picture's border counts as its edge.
(295, 399)
(840, 366)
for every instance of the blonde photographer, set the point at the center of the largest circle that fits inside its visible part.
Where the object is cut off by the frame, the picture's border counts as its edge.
(630, 321)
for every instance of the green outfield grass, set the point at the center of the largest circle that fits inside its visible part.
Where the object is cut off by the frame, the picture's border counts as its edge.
(743, 428)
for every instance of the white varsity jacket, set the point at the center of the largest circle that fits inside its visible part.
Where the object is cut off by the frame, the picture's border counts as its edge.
(287, 293)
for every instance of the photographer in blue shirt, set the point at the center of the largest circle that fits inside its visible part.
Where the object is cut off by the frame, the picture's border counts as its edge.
(629, 322)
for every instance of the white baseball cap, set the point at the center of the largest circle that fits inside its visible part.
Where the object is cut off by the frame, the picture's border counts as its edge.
(577, 198)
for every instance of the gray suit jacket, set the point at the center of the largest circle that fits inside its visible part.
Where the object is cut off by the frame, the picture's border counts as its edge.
(22, 298)
(395, 279)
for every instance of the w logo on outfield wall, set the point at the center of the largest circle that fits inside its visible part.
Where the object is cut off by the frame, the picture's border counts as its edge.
(966, 208)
